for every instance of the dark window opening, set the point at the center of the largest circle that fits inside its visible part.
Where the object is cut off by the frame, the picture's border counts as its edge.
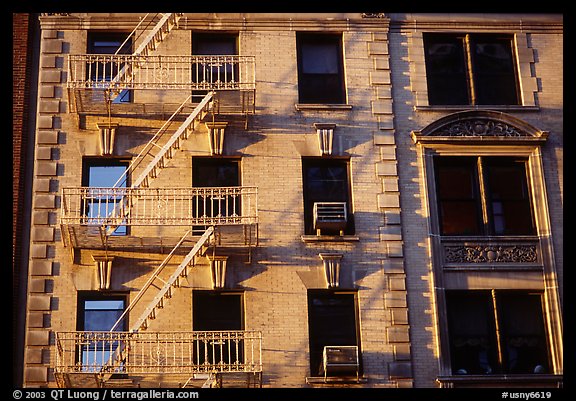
(446, 70)
(218, 311)
(104, 173)
(326, 180)
(109, 43)
(219, 173)
(470, 69)
(497, 332)
(468, 188)
(332, 321)
(212, 71)
(320, 68)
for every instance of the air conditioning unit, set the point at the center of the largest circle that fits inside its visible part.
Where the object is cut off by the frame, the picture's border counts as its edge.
(330, 216)
(341, 360)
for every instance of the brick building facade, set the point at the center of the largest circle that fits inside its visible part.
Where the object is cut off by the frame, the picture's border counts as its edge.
(247, 200)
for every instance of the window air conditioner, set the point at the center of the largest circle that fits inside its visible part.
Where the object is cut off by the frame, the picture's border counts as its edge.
(330, 216)
(341, 360)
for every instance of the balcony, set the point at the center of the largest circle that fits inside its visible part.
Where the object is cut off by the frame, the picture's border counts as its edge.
(90, 359)
(91, 75)
(147, 217)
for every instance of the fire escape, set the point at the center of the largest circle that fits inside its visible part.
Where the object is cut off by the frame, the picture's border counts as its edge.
(185, 223)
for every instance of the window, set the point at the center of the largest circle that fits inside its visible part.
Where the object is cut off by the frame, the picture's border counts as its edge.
(483, 196)
(331, 322)
(320, 70)
(109, 43)
(99, 312)
(218, 311)
(218, 69)
(326, 180)
(496, 332)
(470, 69)
(216, 173)
(103, 173)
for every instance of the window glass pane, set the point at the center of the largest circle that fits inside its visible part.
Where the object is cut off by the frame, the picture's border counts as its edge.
(471, 329)
(215, 47)
(108, 42)
(101, 314)
(217, 311)
(457, 195)
(104, 305)
(494, 70)
(100, 320)
(523, 333)
(327, 183)
(456, 182)
(459, 218)
(319, 58)
(509, 198)
(446, 70)
(106, 176)
(215, 172)
(214, 44)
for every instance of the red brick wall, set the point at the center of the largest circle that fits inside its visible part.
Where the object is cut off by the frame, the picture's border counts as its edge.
(21, 75)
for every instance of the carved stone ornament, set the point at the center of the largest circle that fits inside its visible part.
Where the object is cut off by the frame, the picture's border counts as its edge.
(490, 254)
(479, 127)
(373, 15)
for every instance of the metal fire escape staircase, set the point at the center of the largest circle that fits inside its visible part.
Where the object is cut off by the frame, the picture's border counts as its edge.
(147, 164)
(150, 171)
(159, 154)
(165, 292)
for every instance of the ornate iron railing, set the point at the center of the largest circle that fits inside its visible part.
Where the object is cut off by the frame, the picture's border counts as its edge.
(158, 352)
(122, 71)
(96, 206)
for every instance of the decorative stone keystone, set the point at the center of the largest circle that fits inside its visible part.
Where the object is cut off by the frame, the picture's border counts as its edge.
(325, 137)
(107, 136)
(216, 136)
(332, 268)
(218, 271)
(103, 271)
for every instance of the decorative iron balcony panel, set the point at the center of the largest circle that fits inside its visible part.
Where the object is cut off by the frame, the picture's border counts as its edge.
(216, 206)
(158, 352)
(119, 72)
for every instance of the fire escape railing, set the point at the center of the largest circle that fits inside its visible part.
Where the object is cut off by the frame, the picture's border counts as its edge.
(159, 352)
(101, 71)
(95, 206)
